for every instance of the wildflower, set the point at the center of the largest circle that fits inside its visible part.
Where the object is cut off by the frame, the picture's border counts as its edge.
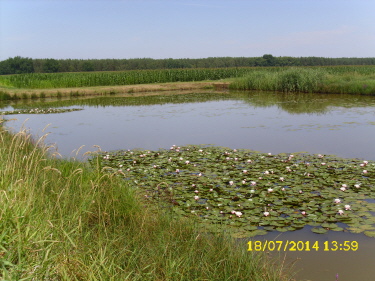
(347, 207)
(337, 201)
(266, 214)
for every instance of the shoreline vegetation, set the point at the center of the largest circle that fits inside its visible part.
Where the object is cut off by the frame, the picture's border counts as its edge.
(67, 220)
(330, 79)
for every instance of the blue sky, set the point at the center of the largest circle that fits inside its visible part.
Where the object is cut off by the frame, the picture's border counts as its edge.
(84, 29)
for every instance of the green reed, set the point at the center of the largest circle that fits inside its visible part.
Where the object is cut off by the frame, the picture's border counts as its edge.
(64, 220)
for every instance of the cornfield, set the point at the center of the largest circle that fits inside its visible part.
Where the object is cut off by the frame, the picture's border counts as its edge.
(132, 77)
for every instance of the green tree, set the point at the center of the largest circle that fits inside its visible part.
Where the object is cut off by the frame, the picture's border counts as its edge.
(51, 65)
(17, 65)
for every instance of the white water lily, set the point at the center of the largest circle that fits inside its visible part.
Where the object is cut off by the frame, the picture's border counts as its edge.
(211, 190)
(344, 185)
(340, 212)
(281, 178)
(238, 214)
(270, 190)
(196, 191)
(323, 164)
(342, 188)
(253, 183)
(357, 185)
(177, 170)
(266, 214)
(187, 162)
(266, 172)
(230, 182)
(337, 201)
(365, 171)
(244, 171)
(303, 213)
(249, 161)
(196, 197)
(243, 182)
(252, 191)
(347, 207)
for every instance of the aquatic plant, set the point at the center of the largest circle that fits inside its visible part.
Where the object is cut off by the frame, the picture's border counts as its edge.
(252, 193)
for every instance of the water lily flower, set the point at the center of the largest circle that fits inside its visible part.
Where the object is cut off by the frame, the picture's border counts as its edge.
(269, 190)
(207, 207)
(193, 184)
(344, 185)
(211, 190)
(320, 156)
(154, 166)
(347, 207)
(244, 171)
(253, 183)
(196, 197)
(342, 188)
(221, 212)
(266, 172)
(337, 201)
(196, 191)
(235, 159)
(365, 162)
(181, 158)
(281, 178)
(233, 212)
(365, 171)
(200, 150)
(177, 170)
(300, 191)
(260, 178)
(120, 166)
(230, 182)
(303, 213)
(244, 182)
(187, 162)
(283, 189)
(269, 154)
(357, 185)
(200, 174)
(234, 150)
(238, 214)
(323, 164)
(340, 212)
(249, 161)
(266, 214)
(252, 191)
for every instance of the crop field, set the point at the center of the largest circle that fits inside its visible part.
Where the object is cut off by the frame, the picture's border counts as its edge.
(91, 79)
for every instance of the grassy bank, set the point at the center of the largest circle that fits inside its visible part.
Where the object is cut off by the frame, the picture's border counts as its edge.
(338, 80)
(65, 220)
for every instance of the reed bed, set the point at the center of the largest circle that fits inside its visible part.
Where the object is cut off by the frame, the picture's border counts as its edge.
(65, 220)
(338, 80)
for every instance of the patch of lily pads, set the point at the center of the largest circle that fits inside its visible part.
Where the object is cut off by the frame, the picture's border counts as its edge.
(39, 111)
(250, 193)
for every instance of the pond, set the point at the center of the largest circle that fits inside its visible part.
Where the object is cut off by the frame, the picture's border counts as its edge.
(341, 125)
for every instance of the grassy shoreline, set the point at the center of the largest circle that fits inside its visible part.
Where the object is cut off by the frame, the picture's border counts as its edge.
(66, 220)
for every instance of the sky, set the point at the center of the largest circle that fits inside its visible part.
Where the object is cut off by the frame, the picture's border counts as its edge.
(124, 29)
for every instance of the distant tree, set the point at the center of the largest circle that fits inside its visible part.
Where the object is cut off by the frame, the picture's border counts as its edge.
(87, 66)
(51, 65)
(17, 65)
(270, 60)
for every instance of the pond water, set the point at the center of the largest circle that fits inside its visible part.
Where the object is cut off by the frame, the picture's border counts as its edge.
(342, 125)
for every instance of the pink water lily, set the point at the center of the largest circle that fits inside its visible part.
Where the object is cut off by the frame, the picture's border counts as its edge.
(347, 207)
(196, 197)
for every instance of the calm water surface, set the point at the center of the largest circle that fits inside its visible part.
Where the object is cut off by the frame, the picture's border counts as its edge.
(328, 124)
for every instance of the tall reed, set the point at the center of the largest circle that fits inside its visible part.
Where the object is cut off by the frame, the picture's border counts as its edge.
(64, 220)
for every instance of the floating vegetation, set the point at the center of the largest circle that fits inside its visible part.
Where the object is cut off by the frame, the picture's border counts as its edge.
(39, 111)
(251, 193)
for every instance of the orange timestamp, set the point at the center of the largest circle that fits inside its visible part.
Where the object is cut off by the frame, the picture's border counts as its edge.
(262, 246)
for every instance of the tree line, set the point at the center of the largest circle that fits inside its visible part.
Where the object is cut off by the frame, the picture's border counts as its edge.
(18, 65)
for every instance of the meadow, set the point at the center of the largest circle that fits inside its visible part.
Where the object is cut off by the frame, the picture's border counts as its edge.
(68, 220)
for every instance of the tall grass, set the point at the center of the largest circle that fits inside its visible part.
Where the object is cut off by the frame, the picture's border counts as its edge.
(63, 220)
(340, 79)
